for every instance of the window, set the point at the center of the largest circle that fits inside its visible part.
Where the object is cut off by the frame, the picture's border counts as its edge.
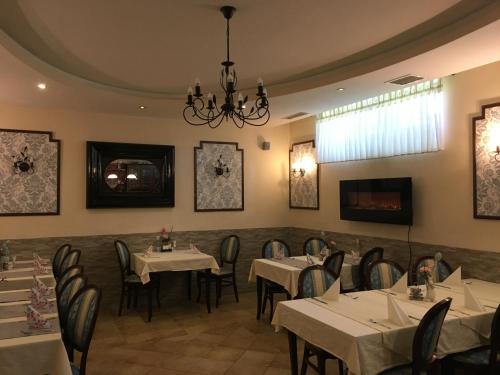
(407, 121)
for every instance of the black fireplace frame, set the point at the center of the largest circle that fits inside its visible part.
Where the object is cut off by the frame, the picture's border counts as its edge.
(401, 185)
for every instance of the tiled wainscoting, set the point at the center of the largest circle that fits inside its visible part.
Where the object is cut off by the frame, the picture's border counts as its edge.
(101, 264)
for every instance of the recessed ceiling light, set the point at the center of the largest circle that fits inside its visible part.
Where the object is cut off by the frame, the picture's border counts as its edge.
(41, 86)
(142, 107)
(340, 89)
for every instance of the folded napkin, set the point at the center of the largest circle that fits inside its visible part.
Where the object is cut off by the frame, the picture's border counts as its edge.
(355, 254)
(396, 314)
(332, 294)
(470, 300)
(195, 250)
(455, 278)
(401, 285)
(39, 268)
(40, 287)
(148, 252)
(35, 319)
(309, 260)
(39, 301)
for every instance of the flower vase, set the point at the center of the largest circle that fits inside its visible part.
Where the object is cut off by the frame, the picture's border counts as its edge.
(430, 294)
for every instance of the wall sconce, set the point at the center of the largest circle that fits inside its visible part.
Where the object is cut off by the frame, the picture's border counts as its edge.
(301, 172)
(303, 166)
(221, 168)
(497, 153)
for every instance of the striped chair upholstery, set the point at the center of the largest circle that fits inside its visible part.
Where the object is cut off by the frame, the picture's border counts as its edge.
(314, 281)
(425, 341)
(368, 258)
(383, 274)
(72, 258)
(80, 324)
(68, 291)
(229, 249)
(313, 246)
(69, 273)
(443, 269)
(58, 258)
(272, 247)
(334, 262)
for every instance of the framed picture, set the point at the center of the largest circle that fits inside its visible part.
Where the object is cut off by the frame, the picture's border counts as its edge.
(486, 158)
(218, 177)
(303, 185)
(130, 175)
(29, 173)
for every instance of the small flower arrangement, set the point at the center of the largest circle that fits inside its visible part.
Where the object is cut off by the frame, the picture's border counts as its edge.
(425, 271)
(164, 233)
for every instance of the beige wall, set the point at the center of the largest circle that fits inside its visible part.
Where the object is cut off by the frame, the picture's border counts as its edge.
(442, 181)
(266, 187)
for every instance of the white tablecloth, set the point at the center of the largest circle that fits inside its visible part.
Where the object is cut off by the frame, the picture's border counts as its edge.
(31, 355)
(288, 276)
(179, 260)
(343, 327)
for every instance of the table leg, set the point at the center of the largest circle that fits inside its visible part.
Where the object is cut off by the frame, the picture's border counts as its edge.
(208, 272)
(259, 296)
(292, 347)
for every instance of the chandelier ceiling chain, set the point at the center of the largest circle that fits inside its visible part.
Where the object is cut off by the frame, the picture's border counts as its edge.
(200, 112)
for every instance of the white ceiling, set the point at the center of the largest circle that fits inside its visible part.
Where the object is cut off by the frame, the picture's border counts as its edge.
(112, 56)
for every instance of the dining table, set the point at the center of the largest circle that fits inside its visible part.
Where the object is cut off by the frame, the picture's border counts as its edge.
(286, 271)
(175, 261)
(24, 350)
(356, 329)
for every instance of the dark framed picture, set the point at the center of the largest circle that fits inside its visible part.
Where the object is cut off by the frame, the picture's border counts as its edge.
(29, 173)
(130, 175)
(218, 177)
(486, 159)
(303, 187)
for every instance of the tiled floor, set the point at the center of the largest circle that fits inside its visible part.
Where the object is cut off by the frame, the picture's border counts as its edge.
(184, 339)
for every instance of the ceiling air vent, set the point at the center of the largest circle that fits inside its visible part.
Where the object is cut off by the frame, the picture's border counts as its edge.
(295, 115)
(404, 80)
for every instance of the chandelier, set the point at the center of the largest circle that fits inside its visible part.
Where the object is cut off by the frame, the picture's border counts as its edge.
(201, 111)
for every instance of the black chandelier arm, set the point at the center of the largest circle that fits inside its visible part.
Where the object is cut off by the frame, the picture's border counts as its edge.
(261, 119)
(209, 118)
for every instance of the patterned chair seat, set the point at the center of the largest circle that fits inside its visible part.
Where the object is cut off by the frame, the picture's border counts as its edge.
(132, 278)
(74, 370)
(226, 269)
(479, 356)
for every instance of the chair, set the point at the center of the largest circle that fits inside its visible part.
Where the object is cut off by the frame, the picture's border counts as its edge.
(371, 255)
(68, 290)
(443, 270)
(72, 258)
(334, 262)
(484, 360)
(69, 273)
(313, 246)
(82, 317)
(314, 281)
(270, 250)
(229, 251)
(383, 274)
(131, 283)
(58, 258)
(424, 342)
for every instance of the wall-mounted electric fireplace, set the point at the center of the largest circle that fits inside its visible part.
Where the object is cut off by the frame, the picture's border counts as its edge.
(385, 200)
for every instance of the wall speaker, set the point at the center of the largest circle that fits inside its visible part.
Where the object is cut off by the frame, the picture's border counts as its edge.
(266, 146)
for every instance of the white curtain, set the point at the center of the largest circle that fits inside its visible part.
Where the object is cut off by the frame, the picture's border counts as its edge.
(406, 125)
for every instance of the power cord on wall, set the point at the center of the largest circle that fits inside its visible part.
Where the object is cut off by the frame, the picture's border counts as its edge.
(410, 249)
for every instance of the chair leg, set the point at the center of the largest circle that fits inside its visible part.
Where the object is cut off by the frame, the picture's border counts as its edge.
(136, 297)
(189, 284)
(235, 288)
(321, 364)
(217, 291)
(266, 296)
(271, 306)
(150, 303)
(121, 301)
(198, 281)
(303, 368)
(129, 296)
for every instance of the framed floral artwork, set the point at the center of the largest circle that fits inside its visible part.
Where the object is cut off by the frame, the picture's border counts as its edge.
(304, 176)
(29, 173)
(486, 158)
(218, 177)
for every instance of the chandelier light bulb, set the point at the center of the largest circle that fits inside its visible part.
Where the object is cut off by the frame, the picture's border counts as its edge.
(260, 82)
(240, 97)
(230, 78)
(197, 82)
(190, 90)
